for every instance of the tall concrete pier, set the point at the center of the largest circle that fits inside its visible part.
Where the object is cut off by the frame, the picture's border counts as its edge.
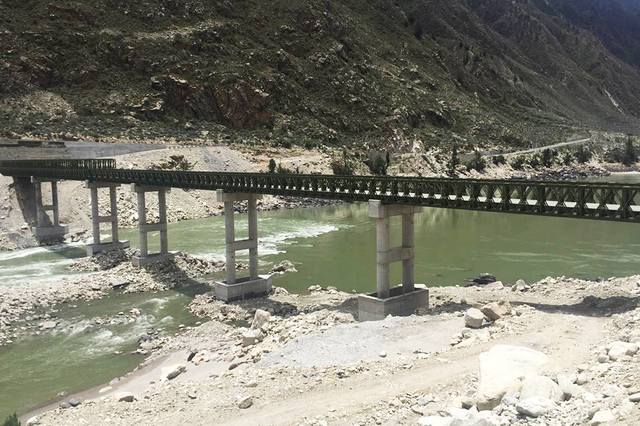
(144, 228)
(254, 285)
(403, 299)
(48, 228)
(115, 244)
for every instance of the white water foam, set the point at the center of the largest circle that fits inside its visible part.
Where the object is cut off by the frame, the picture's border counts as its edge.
(272, 244)
(18, 254)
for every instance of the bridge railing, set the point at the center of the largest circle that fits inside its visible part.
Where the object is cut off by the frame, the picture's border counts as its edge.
(605, 201)
(59, 164)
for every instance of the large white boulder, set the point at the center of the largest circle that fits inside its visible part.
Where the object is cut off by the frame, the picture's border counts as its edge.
(620, 349)
(536, 406)
(543, 387)
(474, 318)
(261, 318)
(501, 368)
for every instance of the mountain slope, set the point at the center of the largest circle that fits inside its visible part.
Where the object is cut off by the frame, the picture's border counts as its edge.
(400, 74)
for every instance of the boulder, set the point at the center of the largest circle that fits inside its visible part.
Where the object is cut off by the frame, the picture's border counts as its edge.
(473, 318)
(260, 318)
(172, 371)
(124, 397)
(496, 310)
(501, 367)
(635, 397)
(534, 407)
(568, 388)
(282, 267)
(245, 402)
(543, 387)
(485, 278)
(602, 416)
(251, 337)
(48, 325)
(620, 349)
(35, 420)
(494, 286)
(74, 402)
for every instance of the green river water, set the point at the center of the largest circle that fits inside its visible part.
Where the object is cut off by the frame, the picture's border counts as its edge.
(329, 246)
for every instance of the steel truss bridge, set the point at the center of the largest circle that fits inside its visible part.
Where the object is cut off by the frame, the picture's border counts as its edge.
(601, 201)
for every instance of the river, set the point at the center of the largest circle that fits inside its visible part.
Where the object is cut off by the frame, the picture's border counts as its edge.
(329, 246)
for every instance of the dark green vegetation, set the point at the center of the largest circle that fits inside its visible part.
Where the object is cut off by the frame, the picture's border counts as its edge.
(292, 72)
(626, 153)
(12, 420)
(612, 202)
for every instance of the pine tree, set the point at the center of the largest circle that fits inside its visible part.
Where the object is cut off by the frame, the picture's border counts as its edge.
(630, 155)
(12, 420)
(453, 163)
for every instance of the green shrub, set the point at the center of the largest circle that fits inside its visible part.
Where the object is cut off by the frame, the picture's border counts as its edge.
(272, 166)
(344, 167)
(547, 158)
(453, 162)
(583, 155)
(478, 163)
(12, 420)
(534, 161)
(378, 164)
(518, 163)
(567, 159)
(630, 155)
(284, 170)
(499, 159)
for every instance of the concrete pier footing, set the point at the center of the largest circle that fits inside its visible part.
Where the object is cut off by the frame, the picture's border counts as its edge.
(404, 299)
(48, 228)
(254, 285)
(115, 243)
(144, 228)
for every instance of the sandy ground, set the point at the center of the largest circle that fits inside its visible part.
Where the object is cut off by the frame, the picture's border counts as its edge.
(315, 365)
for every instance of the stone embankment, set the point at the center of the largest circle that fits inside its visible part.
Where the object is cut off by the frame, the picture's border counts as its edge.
(571, 347)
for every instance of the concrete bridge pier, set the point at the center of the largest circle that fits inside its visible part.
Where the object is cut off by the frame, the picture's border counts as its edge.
(47, 229)
(96, 219)
(403, 299)
(144, 228)
(254, 285)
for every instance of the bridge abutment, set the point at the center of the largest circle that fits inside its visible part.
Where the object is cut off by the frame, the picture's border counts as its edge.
(403, 299)
(254, 285)
(48, 228)
(115, 244)
(144, 228)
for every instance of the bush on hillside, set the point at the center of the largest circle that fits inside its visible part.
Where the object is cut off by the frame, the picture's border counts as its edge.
(12, 420)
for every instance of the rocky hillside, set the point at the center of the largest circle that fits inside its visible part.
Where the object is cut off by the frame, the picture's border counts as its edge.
(404, 75)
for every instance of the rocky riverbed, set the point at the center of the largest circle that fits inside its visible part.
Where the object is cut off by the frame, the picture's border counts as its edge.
(560, 351)
(30, 308)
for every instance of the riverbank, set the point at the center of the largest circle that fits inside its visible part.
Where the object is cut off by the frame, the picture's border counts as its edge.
(304, 360)
(30, 309)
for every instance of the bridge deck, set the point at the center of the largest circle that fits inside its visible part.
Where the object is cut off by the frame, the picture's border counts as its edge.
(602, 201)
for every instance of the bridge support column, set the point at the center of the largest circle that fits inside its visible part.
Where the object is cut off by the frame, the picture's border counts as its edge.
(144, 228)
(48, 228)
(96, 219)
(254, 285)
(403, 299)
